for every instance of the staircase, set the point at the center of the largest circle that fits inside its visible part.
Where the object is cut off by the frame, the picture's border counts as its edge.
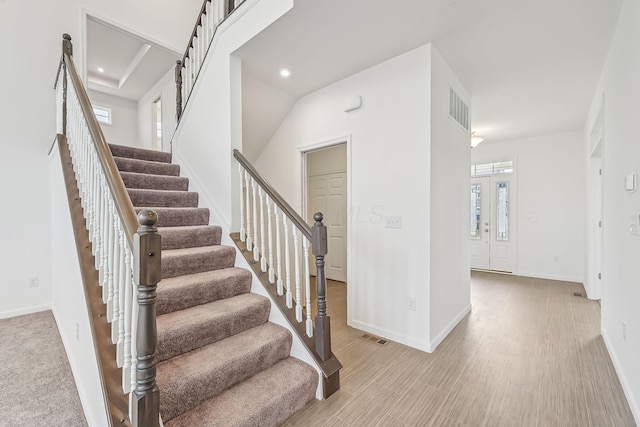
(220, 361)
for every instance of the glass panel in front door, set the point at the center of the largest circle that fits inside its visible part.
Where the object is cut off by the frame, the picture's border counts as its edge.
(502, 212)
(476, 199)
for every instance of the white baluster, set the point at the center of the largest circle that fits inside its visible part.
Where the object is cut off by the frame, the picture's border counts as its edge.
(202, 46)
(128, 308)
(121, 300)
(185, 93)
(220, 11)
(263, 257)
(107, 291)
(209, 22)
(134, 335)
(272, 273)
(307, 286)
(193, 69)
(280, 285)
(254, 191)
(243, 231)
(287, 261)
(248, 196)
(296, 263)
(212, 20)
(115, 322)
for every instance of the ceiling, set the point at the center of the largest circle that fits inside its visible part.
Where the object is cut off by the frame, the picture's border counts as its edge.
(531, 66)
(122, 64)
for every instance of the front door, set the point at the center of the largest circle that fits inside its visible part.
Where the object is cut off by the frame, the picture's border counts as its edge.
(492, 224)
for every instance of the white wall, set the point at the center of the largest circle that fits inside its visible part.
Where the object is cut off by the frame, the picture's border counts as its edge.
(211, 126)
(389, 154)
(28, 123)
(621, 276)
(263, 109)
(449, 205)
(123, 129)
(165, 89)
(551, 187)
(69, 303)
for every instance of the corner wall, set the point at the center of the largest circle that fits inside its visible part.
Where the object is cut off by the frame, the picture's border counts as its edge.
(551, 188)
(621, 275)
(388, 175)
(450, 281)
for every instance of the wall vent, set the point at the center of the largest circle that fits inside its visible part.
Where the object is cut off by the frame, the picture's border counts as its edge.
(458, 110)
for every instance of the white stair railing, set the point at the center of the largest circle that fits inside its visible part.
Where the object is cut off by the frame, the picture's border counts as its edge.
(211, 15)
(126, 246)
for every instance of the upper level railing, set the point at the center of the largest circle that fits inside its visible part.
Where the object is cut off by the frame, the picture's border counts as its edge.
(279, 241)
(212, 13)
(126, 247)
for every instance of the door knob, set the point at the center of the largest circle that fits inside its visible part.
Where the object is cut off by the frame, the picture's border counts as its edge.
(486, 230)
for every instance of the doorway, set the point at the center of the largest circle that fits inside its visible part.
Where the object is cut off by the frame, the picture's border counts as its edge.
(492, 217)
(326, 192)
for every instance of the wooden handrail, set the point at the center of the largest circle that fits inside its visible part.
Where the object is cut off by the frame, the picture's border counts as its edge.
(114, 180)
(229, 8)
(273, 194)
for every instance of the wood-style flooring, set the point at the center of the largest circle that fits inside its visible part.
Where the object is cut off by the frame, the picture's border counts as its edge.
(529, 354)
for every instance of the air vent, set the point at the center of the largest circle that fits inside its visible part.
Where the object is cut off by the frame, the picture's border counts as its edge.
(458, 110)
(374, 339)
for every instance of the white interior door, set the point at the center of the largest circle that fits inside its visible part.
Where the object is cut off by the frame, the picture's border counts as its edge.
(479, 223)
(503, 215)
(328, 194)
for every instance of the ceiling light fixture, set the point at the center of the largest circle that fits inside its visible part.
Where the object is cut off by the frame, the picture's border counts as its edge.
(285, 72)
(100, 70)
(475, 140)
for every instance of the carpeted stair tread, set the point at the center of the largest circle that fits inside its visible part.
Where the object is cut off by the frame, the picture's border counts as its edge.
(266, 400)
(182, 331)
(178, 293)
(190, 236)
(178, 262)
(139, 153)
(189, 379)
(156, 182)
(144, 166)
(163, 198)
(173, 217)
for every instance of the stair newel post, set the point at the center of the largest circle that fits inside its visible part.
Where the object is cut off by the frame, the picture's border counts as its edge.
(145, 408)
(322, 324)
(67, 49)
(178, 77)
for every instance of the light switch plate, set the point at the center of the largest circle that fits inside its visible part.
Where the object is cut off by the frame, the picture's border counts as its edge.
(630, 182)
(392, 222)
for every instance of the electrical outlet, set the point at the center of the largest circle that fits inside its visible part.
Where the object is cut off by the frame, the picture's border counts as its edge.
(624, 331)
(34, 282)
(411, 304)
(392, 222)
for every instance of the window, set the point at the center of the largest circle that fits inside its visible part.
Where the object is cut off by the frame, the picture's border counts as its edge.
(156, 114)
(476, 198)
(502, 214)
(492, 168)
(103, 114)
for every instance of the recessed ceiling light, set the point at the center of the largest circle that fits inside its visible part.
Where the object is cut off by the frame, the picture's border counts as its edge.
(285, 72)
(100, 69)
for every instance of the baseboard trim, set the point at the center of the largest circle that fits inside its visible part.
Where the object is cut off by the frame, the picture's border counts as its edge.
(635, 410)
(391, 335)
(447, 329)
(545, 276)
(25, 310)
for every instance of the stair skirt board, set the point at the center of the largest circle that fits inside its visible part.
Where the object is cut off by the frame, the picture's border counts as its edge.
(221, 362)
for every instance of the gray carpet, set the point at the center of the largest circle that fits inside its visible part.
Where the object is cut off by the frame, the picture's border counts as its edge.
(221, 362)
(36, 384)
